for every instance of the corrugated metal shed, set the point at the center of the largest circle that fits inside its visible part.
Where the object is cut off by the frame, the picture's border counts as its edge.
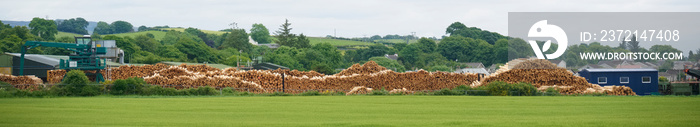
(35, 64)
(622, 70)
(642, 81)
(53, 59)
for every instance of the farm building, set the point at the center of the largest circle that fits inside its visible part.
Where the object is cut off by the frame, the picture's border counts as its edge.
(642, 81)
(34, 64)
(472, 70)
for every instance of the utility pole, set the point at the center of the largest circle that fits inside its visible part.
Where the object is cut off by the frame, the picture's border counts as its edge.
(334, 33)
(365, 37)
(413, 35)
(240, 52)
(233, 25)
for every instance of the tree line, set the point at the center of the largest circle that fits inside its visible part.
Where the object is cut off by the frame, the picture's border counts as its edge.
(462, 45)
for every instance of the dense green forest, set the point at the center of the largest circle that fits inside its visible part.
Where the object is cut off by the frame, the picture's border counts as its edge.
(229, 46)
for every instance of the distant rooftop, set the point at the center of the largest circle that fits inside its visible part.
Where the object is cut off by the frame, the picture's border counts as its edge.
(392, 57)
(472, 70)
(620, 70)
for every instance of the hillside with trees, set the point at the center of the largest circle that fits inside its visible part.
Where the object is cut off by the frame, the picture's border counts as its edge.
(162, 43)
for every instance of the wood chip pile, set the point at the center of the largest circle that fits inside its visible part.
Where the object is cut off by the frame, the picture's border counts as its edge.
(544, 74)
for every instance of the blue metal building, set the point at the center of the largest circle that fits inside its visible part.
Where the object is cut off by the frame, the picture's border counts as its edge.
(642, 81)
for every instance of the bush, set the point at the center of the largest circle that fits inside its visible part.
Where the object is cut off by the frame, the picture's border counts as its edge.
(75, 77)
(228, 91)
(332, 92)
(244, 93)
(499, 88)
(380, 92)
(446, 91)
(127, 86)
(147, 90)
(6, 86)
(57, 91)
(6, 94)
(420, 93)
(310, 93)
(90, 90)
(663, 79)
(75, 80)
(206, 90)
(278, 94)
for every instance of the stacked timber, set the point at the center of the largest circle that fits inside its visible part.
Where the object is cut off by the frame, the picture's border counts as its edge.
(23, 82)
(544, 74)
(367, 68)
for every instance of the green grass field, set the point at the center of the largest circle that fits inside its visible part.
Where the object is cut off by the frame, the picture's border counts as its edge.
(205, 31)
(396, 40)
(336, 42)
(352, 111)
(158, 35)
(66, 34)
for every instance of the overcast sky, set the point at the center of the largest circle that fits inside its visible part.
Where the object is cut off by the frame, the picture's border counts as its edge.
(350, 18)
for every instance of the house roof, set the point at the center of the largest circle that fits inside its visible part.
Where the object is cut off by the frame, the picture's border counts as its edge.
(611, 63)
(679, 65)
(555, 61)
(475, 65)
(493, 66)
(665, 74)
(53, 60)
(39, 58)
(590, 66)
(650, 64)
(595, 66)
(472, 70)
(675, 72)
(629, 66)
(392, 57)
(271, 45)
(621, 70)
